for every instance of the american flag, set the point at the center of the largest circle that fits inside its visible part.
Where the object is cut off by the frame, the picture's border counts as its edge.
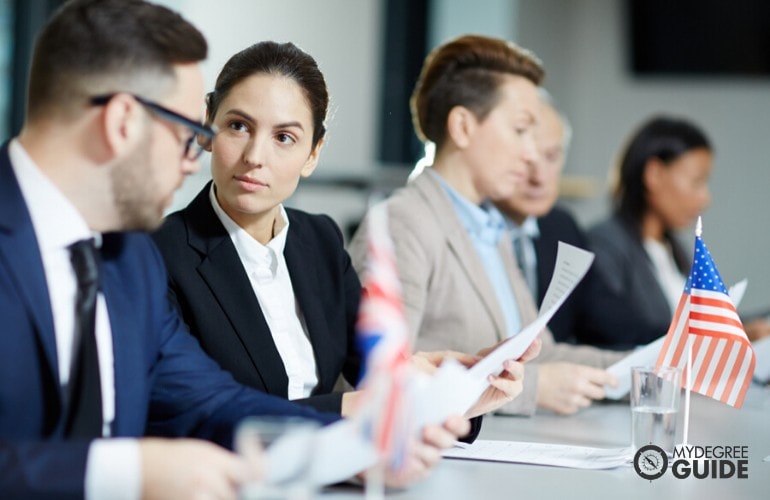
(384, 344)
(722, 357)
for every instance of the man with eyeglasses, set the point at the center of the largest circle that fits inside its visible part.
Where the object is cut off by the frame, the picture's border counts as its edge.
(90, 348)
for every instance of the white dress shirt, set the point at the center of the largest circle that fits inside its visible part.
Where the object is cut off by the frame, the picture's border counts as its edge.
(670, 279)
(58, 224)
(268, 274)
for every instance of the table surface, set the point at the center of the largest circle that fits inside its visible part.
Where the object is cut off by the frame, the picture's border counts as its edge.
(605, 426)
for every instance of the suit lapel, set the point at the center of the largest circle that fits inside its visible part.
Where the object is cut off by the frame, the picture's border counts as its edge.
(301, 261)
(222, 270)
(20, 252)
(462, 247)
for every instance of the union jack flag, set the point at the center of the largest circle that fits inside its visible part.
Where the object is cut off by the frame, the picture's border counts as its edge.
(383, 339)
(722, 356)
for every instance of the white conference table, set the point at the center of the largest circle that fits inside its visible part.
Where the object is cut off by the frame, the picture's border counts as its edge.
(606, 426)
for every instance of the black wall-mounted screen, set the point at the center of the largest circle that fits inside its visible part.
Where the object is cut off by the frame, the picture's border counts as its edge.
(700, 37)
(404, 49)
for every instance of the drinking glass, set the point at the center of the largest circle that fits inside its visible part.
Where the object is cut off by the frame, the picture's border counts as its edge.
(654, 406)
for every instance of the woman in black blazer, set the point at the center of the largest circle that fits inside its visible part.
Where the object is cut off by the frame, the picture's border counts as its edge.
(269, 291)
(662, 187)
(269, 104)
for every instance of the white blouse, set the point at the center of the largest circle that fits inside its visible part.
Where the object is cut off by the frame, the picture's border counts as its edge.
(670, 279)
(268, 274)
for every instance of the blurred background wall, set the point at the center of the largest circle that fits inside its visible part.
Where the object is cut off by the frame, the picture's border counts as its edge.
(370, 52)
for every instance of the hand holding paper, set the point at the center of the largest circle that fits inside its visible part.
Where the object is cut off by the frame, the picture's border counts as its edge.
(565, 388)
(455, 389)
(451, 389)
(572, 263)
(503, 388)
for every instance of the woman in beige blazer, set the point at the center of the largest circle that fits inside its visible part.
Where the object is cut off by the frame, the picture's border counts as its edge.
(477, 101)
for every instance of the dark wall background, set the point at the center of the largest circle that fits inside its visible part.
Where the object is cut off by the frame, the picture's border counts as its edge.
(29, 16)
(700, 37)
(405, 46)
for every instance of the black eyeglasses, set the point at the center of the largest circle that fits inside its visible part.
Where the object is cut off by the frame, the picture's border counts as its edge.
(201, 137)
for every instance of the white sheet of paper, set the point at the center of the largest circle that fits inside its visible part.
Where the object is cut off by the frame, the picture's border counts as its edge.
(737, 291)
(446, 393)
(642, 356)
(558, 455)
(453, 389)
(762, 356)
(572, 263)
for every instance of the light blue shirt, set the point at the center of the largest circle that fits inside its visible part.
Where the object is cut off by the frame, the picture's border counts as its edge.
(485, 226)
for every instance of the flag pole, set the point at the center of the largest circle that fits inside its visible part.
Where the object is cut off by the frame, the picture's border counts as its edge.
(688, 383)
(374, 484)
(688, 379)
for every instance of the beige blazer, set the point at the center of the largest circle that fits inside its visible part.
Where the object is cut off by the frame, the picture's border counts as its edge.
(449, 301)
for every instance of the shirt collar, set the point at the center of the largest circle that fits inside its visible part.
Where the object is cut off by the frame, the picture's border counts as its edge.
(529, 228)
(483, 221)
(57, 222)
(250, 249)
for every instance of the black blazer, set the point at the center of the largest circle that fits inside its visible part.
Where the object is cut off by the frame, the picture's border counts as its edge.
(211, 289)
(630, 307)
(559, 225)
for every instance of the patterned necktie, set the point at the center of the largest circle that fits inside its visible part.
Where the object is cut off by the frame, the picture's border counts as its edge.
(84, 413)
(527, 260)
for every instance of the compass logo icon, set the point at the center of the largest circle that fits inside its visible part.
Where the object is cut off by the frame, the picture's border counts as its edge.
(650, 462)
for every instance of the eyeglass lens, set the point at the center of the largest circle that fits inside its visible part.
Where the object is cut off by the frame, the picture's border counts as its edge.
(195, 145)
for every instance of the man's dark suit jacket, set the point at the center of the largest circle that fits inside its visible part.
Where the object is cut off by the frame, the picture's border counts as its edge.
(210, 286)
(164, 383)
(560, 225)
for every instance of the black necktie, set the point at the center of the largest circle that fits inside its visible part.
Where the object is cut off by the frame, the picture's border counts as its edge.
(84, 414)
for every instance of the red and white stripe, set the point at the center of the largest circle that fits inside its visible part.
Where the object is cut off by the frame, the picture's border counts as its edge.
(722, 357)
(384, 405)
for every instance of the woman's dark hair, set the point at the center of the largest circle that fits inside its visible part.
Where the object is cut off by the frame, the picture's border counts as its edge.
(664, 138)
(283, 59)
(466, 71)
